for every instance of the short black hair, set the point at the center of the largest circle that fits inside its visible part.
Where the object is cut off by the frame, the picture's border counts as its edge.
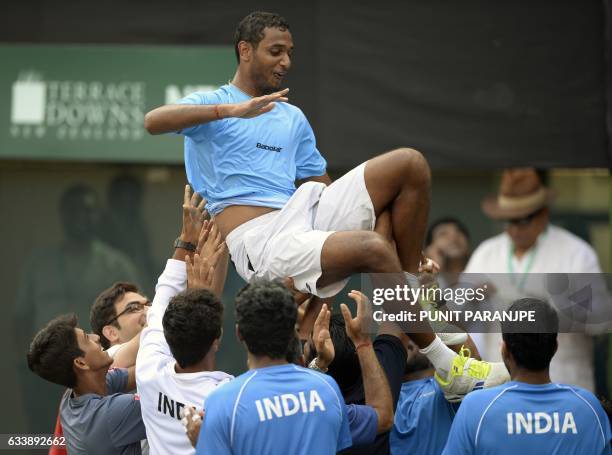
(345, 367)
(251, 28)
(532, 344)
(192, 322)
(266, 316)
(294, 351)
(103, 309)
(446, 220)
(53, 350)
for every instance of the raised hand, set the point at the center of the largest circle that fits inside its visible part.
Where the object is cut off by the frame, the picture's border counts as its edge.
(322, 339)
(256, 106)
(358, 328)
(192, 422)
(209, 242)
(428, 265)
(193, 216)
(200, 272)
(201, 265)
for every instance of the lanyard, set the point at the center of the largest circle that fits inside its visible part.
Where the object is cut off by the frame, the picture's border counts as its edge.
(530, 259)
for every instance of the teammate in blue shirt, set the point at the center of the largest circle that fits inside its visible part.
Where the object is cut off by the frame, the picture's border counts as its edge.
(423, 416)
(530, 414)
(276, 407)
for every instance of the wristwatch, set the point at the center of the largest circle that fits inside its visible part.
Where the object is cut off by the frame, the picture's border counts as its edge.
(178, 243)
(313, 365)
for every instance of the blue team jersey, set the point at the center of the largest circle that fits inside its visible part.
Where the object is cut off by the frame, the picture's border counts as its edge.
(423, 419)
(520, 418)
(280, 410)
(254, 161)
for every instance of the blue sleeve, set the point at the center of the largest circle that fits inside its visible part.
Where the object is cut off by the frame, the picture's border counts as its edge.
(363, 423)
(202, 131)
(124, 419)
(344, 435)
(116, 380)
(461, 437)
(214, 436)
(308, 159)
(602, 417)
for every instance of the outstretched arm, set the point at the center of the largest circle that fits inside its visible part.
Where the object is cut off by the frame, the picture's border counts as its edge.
(376, 387)
(177, 117)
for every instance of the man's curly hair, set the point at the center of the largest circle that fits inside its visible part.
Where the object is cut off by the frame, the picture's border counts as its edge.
(266, 316)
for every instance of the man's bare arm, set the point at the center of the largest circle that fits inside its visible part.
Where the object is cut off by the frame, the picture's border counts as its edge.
(125, 356)
(375, 384)
(177, 117)
(131, 382)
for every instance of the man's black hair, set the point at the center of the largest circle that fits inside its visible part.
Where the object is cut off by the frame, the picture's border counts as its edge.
(53, 350)
(251, 28)
(103, 309)
(345, 367)
(446, 220)
(191, 324)
(266, 315)
(532, 344)
(294, 351)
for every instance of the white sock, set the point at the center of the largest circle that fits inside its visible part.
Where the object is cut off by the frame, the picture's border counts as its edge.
(413, 281)
(440, 356)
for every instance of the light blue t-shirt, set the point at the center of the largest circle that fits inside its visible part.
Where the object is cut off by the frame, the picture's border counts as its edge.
(254, 161)
(283, 409)
(520, 418)
(423, 419)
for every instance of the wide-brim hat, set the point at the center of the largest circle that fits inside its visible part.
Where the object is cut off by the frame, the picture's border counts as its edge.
(521, 193)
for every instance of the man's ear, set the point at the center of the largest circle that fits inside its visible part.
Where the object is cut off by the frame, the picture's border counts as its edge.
(505, 353)
(245, 50)
(111, 333)
(215, 344)
(80, 364)
(238, 335)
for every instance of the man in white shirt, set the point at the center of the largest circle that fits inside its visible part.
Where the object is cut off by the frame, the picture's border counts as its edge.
(175, 367)
(530, 245)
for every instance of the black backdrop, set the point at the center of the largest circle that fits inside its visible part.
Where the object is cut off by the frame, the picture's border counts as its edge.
(472, 84)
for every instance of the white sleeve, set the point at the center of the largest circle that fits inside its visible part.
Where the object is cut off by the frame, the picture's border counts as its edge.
(154, 352)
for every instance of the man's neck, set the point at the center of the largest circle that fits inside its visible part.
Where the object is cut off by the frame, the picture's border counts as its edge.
(91, 382)
(520, 252)
(416, 375)
(206, 364)
(531, 377)
(255, 362)
(245, 84)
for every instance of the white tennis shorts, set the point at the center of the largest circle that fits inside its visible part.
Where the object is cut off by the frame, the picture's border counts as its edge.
(288, 242)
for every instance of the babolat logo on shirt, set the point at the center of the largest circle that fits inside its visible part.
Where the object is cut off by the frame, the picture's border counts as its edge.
(288, 404)
(268, 147)
(540, 422)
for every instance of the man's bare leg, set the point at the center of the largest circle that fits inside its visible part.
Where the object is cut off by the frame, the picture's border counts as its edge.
(399, 181)
(348, 252)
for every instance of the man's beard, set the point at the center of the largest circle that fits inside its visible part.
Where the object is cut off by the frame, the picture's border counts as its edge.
(263, 86)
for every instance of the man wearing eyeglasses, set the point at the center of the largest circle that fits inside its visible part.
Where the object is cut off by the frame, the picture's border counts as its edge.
(118, 315)
(531, 245)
